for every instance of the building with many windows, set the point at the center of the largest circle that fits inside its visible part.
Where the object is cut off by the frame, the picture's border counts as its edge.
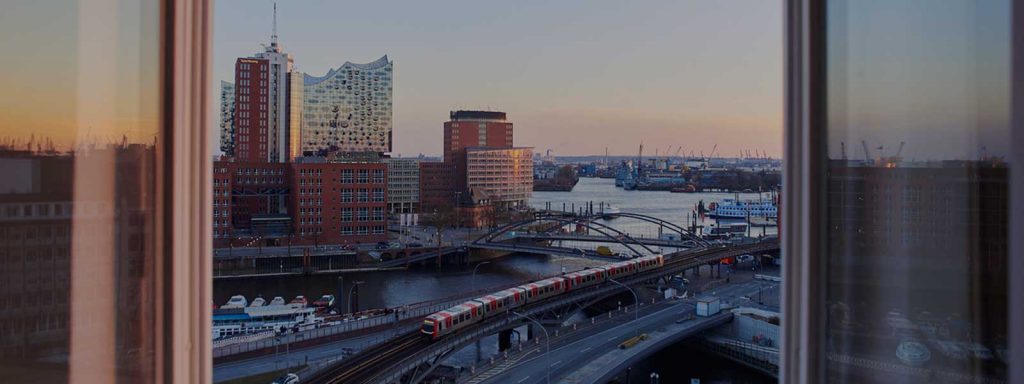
(466, 129)
(403, 185)
(499, 177)
(266, 91)
(348, 109)
(339, 199)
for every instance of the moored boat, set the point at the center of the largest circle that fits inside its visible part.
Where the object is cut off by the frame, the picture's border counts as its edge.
(236, 301)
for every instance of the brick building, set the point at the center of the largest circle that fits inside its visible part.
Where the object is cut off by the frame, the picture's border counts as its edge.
(339, 200)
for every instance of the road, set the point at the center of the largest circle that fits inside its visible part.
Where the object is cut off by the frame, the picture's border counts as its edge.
(576, 360)
(319, 354)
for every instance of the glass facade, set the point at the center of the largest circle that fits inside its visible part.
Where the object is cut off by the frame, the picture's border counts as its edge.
(349, 108)
(916, 190)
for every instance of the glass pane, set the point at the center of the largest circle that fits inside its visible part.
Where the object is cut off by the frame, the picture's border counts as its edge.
(918, 130)
(79, 129)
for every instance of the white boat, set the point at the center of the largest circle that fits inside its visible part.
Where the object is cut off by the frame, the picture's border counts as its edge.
(278, 300)
(236, 301)
(736, 209)
(913, 353)
(609, 209)
(258, 302)
(247, 320)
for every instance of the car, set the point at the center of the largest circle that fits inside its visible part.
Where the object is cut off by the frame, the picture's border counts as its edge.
(383, 245)
(415, 245)
(743, 258)
(288, 378)
(394, 244)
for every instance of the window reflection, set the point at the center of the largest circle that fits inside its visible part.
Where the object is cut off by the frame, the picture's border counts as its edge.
(79, 139)
(917, 199)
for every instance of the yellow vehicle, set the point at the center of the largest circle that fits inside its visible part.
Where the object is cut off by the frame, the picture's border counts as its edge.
(605, 251)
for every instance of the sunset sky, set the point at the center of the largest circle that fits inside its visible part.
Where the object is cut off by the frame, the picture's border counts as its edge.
(574, 76)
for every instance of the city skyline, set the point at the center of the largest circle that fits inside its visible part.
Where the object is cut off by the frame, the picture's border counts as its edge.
(561, 95)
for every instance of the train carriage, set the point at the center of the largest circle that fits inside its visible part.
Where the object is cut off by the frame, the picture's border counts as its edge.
(585, 278)
(452, 319)
(462, 315)
(540, 290)
(650, 262)
(622, 268)
(499, 301)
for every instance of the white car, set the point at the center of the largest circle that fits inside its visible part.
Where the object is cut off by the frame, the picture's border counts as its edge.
(288, 378)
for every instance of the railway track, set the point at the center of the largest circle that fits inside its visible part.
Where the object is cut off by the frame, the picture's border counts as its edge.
(358, 368)
(367, 364)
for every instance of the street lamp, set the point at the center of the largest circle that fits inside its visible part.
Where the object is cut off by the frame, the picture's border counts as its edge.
(350, 291)
(473, 276)
(636, 304)
(547, 340)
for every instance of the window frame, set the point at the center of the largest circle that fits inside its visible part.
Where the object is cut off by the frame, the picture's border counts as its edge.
(802, 357)
(802, 352)
(185, 352)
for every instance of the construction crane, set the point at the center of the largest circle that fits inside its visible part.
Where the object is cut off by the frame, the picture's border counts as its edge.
(900, 151)
(712, 154)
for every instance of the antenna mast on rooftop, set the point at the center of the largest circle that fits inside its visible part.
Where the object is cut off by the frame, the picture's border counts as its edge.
(273, 37)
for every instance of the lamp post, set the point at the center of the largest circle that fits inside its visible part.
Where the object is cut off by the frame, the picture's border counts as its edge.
(547, 340)
(350, 292)
(636, 305)
(473, 276)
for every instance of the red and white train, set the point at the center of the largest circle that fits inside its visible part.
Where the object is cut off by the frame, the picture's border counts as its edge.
(462, 315)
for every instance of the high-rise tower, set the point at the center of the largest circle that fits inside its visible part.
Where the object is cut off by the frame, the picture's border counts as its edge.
(267, 91)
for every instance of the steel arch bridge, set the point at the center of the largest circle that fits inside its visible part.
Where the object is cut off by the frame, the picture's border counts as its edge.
(590, 222)
(682, 231)
(622, 238)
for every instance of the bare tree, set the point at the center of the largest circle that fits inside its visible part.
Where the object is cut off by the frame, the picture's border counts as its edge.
(443, 218)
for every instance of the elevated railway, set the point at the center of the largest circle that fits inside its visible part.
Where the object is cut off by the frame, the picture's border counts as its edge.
(409, 357)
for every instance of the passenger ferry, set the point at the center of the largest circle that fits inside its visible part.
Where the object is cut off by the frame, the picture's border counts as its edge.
(735, 209)
(245, 320)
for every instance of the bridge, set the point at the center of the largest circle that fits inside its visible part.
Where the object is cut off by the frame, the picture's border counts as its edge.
(605, 239)
(246, 262)
(409, 357)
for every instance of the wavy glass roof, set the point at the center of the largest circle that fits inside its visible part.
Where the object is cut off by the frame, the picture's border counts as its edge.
(376, 64)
